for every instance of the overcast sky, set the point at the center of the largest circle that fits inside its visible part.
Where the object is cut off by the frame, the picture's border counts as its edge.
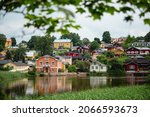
(11, 25)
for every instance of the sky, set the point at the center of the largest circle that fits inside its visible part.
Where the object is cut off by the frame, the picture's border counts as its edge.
(12, 24)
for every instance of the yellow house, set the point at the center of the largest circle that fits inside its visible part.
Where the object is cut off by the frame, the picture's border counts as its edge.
(8, 43)
(62, 43)
(17, 66)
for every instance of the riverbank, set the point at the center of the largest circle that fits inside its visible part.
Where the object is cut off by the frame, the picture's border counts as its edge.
(137, 92)
(11, 75)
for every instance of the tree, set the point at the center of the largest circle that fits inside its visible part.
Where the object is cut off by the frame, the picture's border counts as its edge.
(44, 45)
(97, 39)
(102, 59)
(109, 54)
(2, 42)
(74, 37)
(8, 55)
(87, 55)
(13, 41)
(147, 37)
(128, 41)
(62, 23)
(72, 68)
(86, 41)
(19, 55)
(32, 42)
(115, 68)
(83, 66)
(94, 45)
(106, 37)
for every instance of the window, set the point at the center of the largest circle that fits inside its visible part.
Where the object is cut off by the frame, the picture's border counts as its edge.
(52, 63)
(101, 67)
(41, 63)
(47, 63)
(46, 58)
(96, 67)
(132, 67)
(92, 67)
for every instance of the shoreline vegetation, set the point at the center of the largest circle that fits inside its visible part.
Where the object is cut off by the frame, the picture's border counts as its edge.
(136, 92)
(14, 75)
(9, 75)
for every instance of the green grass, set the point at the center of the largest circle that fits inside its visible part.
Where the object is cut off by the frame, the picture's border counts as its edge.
(10, 75)
(138, 92)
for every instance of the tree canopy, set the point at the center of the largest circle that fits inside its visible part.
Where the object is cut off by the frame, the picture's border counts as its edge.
(94, 45)
(106, 37)
(13, 41)
(42, 13)
(74, 37)
(2, 42)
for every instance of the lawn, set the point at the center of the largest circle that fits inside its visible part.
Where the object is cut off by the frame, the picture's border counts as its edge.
(137, 92)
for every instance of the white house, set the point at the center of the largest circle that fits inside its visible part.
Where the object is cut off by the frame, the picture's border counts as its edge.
(97, 67)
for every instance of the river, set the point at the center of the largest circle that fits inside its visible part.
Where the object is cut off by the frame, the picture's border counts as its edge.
(13, 89)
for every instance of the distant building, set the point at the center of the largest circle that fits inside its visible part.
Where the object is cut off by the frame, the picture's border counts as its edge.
(96, 66)
(65, 59)
(62, 43)
(83, 49)
(31, 55)
(105, 45)
(8, 43)
(120, 40)
(49, 64)
(15, 66)
(141, 43)
(135, 51)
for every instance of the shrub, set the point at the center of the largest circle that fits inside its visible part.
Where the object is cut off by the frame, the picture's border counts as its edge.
(72, 68)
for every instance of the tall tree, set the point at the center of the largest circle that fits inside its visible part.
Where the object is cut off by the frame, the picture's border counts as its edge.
(94, 45)
(128, 41)
(147, 37)
(62, 23)
(106, 37)
(74, 37)
(2, 42)
(8, 55)
(13, 41)
(86, 41)
(44, 45)
(98, 40)
(32, 42)
(19, 55)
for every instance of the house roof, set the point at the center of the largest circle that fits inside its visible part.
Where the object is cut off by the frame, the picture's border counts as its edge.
(3, 62)
(143, 48)
(138, 61)
(30, 53)
(20, 64)
(99, 63)
(62, 40)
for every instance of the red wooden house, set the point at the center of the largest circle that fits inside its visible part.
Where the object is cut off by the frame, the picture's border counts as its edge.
(137, 64)
(83, 49)
(133, 51)
(73, 54)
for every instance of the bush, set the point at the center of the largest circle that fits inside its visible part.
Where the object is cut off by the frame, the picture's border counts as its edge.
(72, 68)
(60, 70)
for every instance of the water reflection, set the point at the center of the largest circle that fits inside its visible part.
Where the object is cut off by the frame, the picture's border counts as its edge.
(52, 85)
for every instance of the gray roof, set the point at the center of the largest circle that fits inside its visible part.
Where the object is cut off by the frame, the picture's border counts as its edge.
(97, 62)
(3, 62)
(20, 64)
(62, 40)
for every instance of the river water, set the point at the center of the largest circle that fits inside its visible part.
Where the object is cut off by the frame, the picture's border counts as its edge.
(13, 89)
